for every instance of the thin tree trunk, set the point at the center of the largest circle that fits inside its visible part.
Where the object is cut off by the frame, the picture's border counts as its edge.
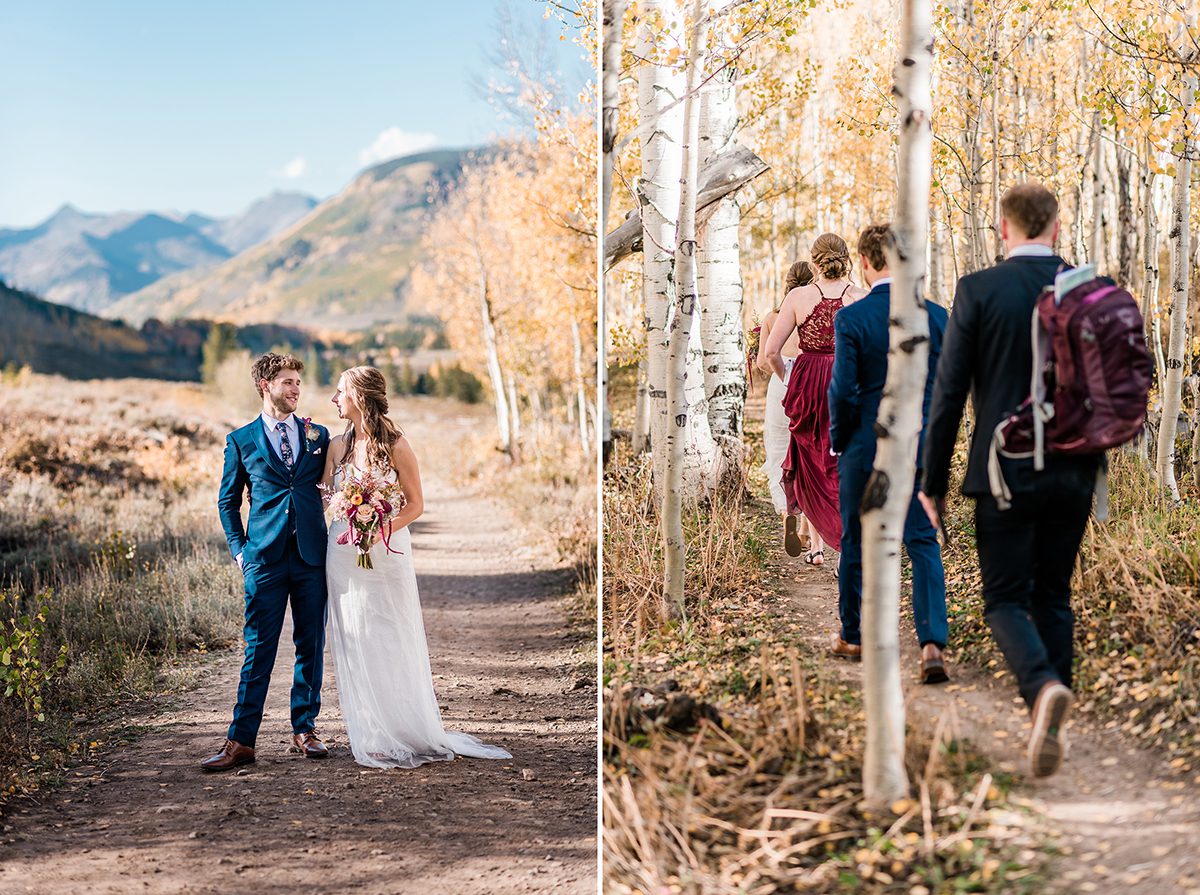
(1150, 263)
(514, 409)
(492, 355)
(1125, 230)
(997, 242)
(580, 388)
(1194, 385)
(886, 500)
(658, 88)
(641, 414)
(681, 331)
(1082, 247)
(614, 17)
(1096, 247)
(1181, 262)
(718, 272)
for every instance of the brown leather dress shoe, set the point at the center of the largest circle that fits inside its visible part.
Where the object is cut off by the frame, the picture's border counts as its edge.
(933, 669)
(308, 745)
(845, 650)
(232, 755)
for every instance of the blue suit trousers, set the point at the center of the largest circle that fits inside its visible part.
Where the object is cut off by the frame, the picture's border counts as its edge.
(920, 539)
(269, 588)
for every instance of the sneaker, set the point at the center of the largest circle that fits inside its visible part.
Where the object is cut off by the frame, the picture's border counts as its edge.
(1046, 743)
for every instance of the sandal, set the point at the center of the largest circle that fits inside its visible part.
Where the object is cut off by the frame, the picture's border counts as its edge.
(791, 540)
(815, 557)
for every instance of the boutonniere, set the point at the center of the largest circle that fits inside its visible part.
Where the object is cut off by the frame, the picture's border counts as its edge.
(310, 431)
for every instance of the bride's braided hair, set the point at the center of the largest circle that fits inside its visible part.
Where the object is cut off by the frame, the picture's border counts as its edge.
(369, 389)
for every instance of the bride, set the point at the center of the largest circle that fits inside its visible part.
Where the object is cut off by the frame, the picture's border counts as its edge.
(374, 622)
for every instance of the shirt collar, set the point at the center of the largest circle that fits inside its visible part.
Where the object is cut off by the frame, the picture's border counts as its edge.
(270, 421)
(1032, 249)
(882, 281)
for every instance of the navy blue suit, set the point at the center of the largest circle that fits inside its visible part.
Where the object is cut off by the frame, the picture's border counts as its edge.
(860, 359)
(283, 558)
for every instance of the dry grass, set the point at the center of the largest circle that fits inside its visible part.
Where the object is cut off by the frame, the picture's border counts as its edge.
(769, 800)
(108, 521)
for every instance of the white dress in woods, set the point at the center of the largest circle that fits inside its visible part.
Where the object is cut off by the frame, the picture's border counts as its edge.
(381, 659)
(776, 436)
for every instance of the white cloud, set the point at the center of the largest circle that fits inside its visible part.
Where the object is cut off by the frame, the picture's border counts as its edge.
(293, 169)
(393, 143)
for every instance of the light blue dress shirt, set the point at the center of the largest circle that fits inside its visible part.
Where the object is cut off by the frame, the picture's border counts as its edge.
(273, 434)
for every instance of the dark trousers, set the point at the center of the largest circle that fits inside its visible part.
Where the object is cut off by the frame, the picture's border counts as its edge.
(269, 587)
(1026, 558)
(920, 539)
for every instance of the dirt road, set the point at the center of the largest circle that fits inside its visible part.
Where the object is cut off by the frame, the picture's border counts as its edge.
(146, 819)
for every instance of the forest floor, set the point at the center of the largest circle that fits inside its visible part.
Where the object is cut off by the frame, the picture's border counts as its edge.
(509, 666)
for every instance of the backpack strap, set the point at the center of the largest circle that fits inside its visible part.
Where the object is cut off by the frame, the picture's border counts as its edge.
(1101, 509)
(996, 483)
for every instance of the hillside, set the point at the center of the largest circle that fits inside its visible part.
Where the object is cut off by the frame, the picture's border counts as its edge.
(53, 338)
(88, 261)
(345, 266)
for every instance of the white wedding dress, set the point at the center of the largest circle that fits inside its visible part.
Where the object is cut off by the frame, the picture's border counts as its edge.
(777, 434)
(381, 659)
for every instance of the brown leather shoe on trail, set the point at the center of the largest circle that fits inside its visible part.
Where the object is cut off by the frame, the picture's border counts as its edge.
(309, 746)
(845, 650)
(232, 755)
(933, 667)
(1047, 744)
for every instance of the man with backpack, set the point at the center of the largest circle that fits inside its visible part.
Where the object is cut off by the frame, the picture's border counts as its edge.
(1031, 506)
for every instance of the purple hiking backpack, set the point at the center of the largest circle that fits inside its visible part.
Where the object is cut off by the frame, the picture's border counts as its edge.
(1089, 385)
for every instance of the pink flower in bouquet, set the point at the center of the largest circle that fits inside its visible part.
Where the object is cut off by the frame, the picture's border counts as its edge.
(368, 504)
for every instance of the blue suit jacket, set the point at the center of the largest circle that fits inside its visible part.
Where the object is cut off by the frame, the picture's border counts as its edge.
(280, 498)
(860, 359)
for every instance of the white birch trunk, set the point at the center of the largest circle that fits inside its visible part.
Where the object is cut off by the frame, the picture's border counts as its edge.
(1181, 256)
(1125, 230)
(1150, 261)
(997, 242)
(514, 409)
(718, 271)
(641, 413)
(492, 355)
(614, 17)
(1096, 246)
(658, 88)
(889, 491)
(681, 331)
(580, 388)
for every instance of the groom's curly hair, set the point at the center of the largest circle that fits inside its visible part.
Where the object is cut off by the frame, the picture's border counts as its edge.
(268, 366)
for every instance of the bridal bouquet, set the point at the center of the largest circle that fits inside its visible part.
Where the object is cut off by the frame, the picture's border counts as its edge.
(367, 503)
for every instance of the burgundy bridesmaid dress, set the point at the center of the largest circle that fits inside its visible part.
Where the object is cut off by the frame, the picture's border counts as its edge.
(810, 474)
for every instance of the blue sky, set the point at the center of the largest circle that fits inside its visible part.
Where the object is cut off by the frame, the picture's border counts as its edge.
(207, 106)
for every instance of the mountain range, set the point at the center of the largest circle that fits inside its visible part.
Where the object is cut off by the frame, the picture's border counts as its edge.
(89, 261)
(344, 266)
(54, 338)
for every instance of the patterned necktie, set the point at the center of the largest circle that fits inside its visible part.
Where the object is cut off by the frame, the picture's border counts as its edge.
(285, 446)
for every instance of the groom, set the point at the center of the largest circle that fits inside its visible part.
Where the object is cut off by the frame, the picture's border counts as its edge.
(860, 362)
(278, 458)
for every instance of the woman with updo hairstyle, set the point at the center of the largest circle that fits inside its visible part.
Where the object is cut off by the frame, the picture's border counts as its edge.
(810, 476)
(776, 432)
(374, 625)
